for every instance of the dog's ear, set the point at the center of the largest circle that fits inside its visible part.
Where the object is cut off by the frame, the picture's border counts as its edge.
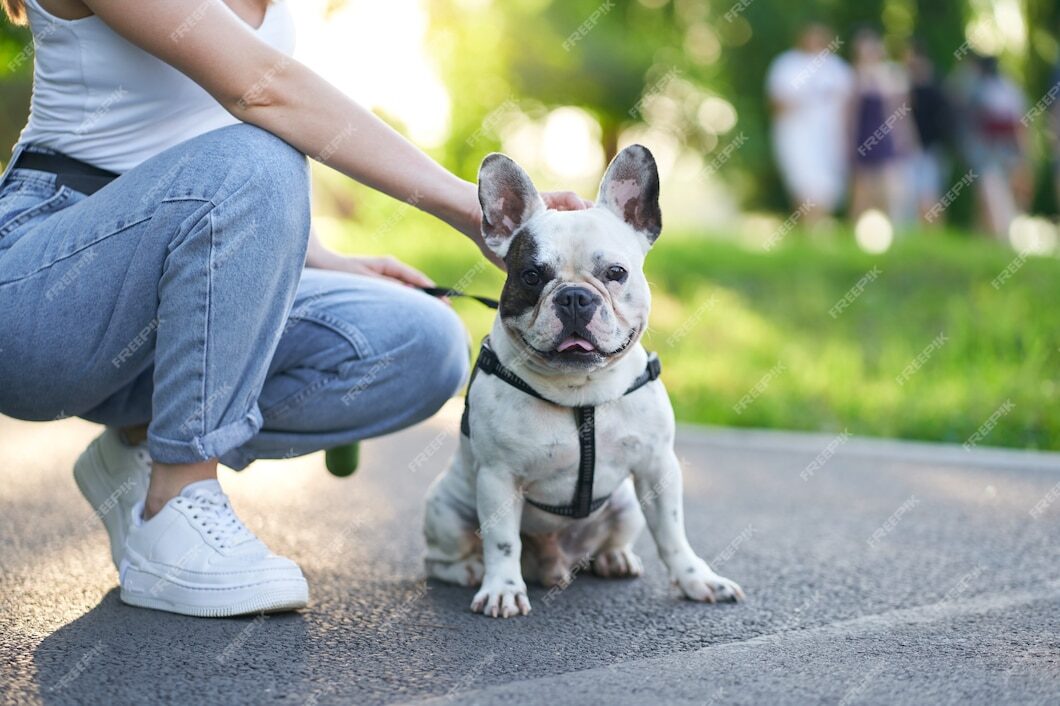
(630, 190)
(508, 200)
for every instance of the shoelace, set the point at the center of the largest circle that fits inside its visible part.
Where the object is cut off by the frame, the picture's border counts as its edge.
(215, 515)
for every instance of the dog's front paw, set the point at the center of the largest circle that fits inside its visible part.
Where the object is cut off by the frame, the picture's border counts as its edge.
(501, 597)
(699, 583)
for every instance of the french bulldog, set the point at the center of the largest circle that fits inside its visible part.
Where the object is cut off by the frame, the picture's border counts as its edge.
(572, 312)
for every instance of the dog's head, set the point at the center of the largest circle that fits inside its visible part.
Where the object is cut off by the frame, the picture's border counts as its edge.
(575, 297)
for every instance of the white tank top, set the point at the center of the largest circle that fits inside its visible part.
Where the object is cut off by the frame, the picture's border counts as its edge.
(100, 99)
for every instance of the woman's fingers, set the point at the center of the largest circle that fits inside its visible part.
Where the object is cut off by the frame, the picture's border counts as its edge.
(565, 201)
(396, 269)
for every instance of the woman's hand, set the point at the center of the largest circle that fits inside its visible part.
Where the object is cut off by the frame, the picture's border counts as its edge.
(555, 200)
(565, 201)
(385, 267)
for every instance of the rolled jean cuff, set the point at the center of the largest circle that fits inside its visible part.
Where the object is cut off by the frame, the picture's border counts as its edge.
(208, 446)
(237, 459)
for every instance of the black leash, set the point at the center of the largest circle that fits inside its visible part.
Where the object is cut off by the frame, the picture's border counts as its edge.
(583, 503)
(447, 292)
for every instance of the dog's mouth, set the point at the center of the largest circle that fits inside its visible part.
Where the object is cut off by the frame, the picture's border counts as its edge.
(577, 344)
(579, 347)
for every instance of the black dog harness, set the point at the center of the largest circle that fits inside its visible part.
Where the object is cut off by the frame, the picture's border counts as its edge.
(583, 504)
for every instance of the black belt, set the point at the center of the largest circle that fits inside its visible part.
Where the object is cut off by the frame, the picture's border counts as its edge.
(70, 172)
(583, 504)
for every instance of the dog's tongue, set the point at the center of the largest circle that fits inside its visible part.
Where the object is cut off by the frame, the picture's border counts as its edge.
(574, 342)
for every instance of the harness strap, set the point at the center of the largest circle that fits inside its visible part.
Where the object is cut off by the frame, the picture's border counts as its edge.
(585, 417)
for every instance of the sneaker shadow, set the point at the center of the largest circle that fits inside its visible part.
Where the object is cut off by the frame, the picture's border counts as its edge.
(120, 654)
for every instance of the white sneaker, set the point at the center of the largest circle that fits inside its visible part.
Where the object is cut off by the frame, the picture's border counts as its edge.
(113, 478)
(196, 557)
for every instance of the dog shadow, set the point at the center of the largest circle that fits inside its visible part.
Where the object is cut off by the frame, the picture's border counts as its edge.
(120, 654)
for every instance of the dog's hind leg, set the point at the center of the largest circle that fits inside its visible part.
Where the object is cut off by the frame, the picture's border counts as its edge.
(454, 549)
(614, 558)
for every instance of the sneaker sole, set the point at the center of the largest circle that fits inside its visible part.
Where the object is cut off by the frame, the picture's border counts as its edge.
(98, 492)
(276, 596)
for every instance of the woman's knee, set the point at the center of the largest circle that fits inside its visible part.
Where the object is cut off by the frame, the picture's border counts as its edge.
(425, 362)
(258, 175)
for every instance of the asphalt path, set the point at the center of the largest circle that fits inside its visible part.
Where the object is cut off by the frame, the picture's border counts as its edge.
(877, 572)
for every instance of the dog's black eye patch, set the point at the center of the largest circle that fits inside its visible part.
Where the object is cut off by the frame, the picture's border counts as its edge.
(526, 276)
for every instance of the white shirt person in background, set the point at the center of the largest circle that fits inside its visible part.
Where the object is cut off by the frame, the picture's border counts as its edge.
(808, 89)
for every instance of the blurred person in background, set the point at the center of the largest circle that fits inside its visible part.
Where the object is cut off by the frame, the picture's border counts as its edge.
(928, 164)
(882, 134)
(808, 88)
(998, 147)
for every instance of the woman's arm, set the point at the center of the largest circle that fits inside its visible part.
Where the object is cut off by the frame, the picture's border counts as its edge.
(262, 86)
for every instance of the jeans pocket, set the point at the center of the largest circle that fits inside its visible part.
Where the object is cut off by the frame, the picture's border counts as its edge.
(37, 208)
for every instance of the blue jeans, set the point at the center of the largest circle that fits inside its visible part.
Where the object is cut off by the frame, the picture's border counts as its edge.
(177, 296)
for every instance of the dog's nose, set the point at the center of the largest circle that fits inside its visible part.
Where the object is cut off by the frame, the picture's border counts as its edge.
(578, 303)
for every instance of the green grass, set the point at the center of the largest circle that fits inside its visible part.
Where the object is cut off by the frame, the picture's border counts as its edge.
(725, 316)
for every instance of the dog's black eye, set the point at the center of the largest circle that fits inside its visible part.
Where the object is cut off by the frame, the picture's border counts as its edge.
(532, 277)
(616, 273)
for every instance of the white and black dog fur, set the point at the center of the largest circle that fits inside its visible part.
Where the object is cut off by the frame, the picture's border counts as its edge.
(572, 312)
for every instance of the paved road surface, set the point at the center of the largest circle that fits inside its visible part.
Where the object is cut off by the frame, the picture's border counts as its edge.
(893, 573)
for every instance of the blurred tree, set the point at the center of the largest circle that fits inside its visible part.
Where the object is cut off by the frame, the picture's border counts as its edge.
(535, 55)
(613, 57)
(16, 79)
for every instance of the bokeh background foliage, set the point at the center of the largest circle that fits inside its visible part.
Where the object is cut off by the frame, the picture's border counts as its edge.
(727, 313)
